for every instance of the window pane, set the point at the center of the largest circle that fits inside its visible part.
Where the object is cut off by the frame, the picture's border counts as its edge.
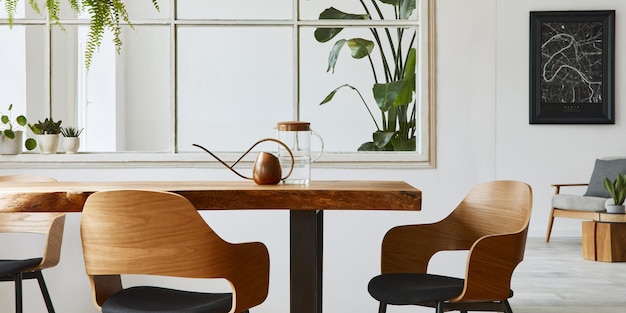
(234, 9)
(123, 101)
(310, 10)
(234, 84)
(25, 63)
(345, 122)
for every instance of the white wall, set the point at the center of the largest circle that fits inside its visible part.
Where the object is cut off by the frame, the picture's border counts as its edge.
(482, 134)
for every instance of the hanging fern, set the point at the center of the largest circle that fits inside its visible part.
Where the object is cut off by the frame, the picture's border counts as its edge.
(104, 14)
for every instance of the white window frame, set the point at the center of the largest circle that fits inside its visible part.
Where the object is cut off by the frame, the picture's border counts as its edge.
(426, 87)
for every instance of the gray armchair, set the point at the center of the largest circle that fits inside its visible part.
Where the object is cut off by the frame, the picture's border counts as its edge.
(586, 206)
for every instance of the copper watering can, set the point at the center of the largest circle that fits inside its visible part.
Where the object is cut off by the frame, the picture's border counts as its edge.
(266, 169)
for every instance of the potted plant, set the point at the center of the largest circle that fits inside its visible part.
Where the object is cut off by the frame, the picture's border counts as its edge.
(394, 78)
(71, 142)
(47, 135)
(103, 15)
(11, 135)
(617, 189)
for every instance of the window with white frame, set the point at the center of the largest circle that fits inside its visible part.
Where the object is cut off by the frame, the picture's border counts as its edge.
(223, 73)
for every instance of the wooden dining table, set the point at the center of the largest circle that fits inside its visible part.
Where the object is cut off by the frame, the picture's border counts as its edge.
(306, 204)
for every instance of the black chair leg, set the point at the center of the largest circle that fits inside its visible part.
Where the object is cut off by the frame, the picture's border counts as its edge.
(44, 291)
(507, 306)
(382, 307)
(439, 308)
(18, 292)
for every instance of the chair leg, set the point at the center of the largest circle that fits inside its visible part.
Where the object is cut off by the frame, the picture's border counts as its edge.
(18, 292)
(439, 308)
(382, 307)
(507, 306)
(550, 222)
(44, 291)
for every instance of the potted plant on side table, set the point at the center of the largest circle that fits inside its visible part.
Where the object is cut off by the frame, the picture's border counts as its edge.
(71, 142)
(11, 135)
(617, 189)
(47, 135)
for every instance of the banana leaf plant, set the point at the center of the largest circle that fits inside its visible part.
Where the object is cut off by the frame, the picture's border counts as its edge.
(394, 88)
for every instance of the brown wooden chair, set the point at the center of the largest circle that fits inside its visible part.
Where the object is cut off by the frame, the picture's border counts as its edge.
(491, 222)
(50, 225)
(160, 233)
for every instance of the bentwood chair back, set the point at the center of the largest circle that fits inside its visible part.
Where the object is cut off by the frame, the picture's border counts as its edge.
(49, 225)
(145, 232)
(491, 222)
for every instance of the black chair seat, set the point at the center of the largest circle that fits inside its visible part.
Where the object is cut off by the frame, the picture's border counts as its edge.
(413, 288)
(145, 299)
(11, 267)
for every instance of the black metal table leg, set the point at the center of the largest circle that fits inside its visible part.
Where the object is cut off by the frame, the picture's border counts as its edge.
(306, 258)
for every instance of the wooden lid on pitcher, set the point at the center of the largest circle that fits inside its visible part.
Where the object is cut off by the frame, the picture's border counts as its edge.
(294, 126)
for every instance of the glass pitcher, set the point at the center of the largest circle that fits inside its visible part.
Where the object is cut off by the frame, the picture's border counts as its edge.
(297, 136)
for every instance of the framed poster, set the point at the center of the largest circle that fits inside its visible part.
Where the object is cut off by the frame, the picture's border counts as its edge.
(572, 57)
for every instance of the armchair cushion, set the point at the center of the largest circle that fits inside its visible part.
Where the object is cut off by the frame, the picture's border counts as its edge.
(602, 169)
(578, 203)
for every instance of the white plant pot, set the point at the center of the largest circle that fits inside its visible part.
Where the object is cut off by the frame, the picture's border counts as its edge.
(48, 144)
(615, 209)
(11, 146)
(71, 144)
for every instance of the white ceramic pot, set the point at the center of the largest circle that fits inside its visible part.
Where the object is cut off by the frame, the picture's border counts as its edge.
(11, 146)
(48, 144)
(616, 209)
(71, 144)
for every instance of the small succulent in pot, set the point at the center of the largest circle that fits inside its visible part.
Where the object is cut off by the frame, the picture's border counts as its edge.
(71, 131)
(47, 127)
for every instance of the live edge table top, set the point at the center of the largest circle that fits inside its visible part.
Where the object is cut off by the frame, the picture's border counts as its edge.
(222, 195)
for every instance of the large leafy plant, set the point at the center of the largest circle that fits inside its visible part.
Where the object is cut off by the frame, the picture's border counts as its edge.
(104, 14)
(394, 81)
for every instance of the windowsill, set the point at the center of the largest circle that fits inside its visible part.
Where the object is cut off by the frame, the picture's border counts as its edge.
(199, 160)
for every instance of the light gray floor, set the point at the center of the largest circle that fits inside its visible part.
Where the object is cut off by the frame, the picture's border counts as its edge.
(555, 278)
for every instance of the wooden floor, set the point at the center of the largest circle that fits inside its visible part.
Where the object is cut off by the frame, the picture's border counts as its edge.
(555, 278)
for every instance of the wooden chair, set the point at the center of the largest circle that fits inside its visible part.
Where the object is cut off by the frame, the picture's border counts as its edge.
(595, 198)
(160, 233)
(491, 222)
(48, 224)
(573, 206)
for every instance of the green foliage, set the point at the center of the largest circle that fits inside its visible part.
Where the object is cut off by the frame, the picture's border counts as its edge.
(616, 188)
(11, 126)
(47, 127)
(104, 14)
(71, 131)
(395, 96)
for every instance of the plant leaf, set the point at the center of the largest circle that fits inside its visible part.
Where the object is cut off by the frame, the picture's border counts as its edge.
(9, 133)
(326, 34)
(403, 144)
(21, 120)
(368, 146)
(334, 54)
(382, 139)
(360, 47)
(386, 94)
(30, 144)
(4, 119)
(332, 93)
(405, 94)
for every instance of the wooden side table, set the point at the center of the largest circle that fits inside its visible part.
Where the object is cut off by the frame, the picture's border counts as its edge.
(604, 238)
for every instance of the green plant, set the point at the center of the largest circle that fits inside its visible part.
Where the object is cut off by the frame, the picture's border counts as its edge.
(616, 188)
(71, 131)
(10, 127)
(47, 127)
(104, 14)
(394, 95)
